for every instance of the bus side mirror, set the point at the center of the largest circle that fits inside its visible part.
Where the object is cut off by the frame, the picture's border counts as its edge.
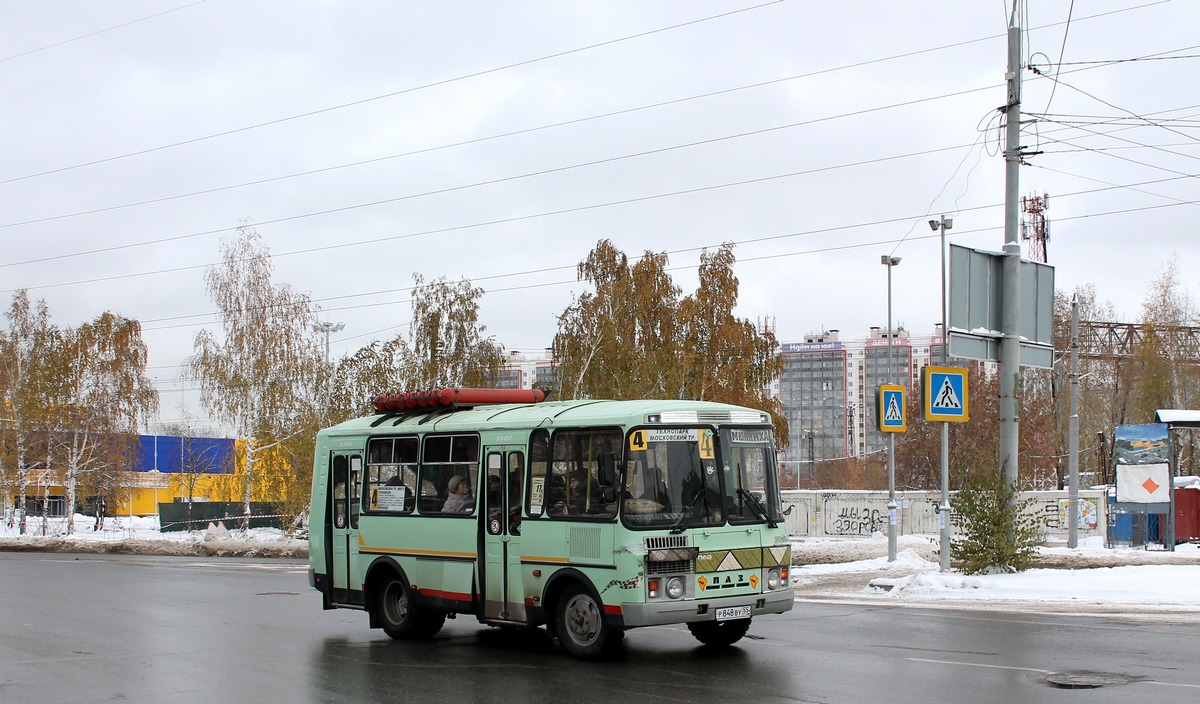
(607, 471)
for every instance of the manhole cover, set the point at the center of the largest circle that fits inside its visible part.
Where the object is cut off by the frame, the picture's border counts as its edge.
(1084, 680)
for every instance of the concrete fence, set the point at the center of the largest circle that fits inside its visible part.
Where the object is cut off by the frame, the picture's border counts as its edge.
(849, 514)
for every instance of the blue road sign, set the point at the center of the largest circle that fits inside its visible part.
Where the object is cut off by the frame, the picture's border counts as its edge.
(946, 394)
(892, 417)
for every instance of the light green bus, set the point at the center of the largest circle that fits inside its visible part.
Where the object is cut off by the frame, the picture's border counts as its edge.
(590, 517)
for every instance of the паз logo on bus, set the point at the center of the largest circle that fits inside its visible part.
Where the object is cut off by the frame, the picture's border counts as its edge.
(729, 582)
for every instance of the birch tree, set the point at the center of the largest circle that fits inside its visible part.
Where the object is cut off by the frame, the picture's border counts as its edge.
(448, 345)
(29, 334)
(259, 375)
(104, 400)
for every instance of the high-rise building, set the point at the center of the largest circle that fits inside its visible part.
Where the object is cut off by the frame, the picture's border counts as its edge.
(828, 389)
(525, 371)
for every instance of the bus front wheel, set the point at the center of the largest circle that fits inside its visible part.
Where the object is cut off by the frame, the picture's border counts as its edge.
(719, 633)
(580, 627)
(399, 618)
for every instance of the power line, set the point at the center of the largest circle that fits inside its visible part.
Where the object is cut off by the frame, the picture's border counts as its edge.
(97, 32)
(456, 228)
(757, 240)
(503, 179)
(513, 133)
(217, 231)
(393, 94)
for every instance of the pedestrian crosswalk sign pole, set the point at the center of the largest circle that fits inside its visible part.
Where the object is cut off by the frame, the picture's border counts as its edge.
(946, 397)
(890, 405)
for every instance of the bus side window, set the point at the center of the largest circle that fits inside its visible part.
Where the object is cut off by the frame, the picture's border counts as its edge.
(340, 470)
(355, 489)
(389, 484)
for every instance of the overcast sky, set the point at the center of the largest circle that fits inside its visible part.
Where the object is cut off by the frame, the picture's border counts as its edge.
(498, 142)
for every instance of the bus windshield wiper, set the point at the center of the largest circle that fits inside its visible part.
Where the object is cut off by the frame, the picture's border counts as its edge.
(757, 506)
(686, 516)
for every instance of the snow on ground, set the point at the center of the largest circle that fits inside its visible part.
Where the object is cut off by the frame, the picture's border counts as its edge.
(1087, 579)
(140, 535)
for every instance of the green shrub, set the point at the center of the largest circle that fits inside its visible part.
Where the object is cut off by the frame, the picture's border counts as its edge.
(996, 533)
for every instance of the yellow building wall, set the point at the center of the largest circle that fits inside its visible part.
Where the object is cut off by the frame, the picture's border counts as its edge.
(274, 480)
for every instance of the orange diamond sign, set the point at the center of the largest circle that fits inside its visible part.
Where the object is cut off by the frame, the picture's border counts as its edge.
(1150, 486)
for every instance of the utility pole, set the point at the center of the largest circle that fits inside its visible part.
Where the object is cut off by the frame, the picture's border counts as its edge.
(328, 329)
(942, 224)
(1010, 343)
(1073, 434)
(889, 262)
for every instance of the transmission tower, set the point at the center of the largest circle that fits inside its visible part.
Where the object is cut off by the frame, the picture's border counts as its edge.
(1035, 227)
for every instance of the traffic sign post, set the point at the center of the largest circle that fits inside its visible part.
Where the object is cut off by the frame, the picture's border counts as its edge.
(890, 404)
(946, 395)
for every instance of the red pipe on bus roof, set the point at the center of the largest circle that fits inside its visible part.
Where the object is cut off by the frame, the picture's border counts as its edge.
(455, 397)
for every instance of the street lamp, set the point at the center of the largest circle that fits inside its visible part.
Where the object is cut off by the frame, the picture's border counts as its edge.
(890, 261)
(943, 224)
(328, 328)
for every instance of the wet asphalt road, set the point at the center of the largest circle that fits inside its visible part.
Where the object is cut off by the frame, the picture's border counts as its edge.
(96, 628)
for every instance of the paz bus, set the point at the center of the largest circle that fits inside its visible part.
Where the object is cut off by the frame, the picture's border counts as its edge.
(589, 517)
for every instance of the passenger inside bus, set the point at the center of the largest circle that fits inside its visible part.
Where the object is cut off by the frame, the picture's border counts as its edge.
(556, 495)
(459, 498)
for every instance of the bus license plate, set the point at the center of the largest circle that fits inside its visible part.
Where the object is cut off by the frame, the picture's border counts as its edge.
(732, 612)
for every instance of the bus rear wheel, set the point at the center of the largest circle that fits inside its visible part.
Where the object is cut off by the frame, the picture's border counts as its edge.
(580, 625)
(719, 633)
(399, 618)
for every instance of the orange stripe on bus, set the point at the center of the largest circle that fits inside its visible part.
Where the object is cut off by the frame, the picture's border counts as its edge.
(426, 553)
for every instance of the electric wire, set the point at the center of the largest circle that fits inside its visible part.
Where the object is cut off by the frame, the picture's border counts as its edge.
(98, 32)
(495, 181)
(393, 94)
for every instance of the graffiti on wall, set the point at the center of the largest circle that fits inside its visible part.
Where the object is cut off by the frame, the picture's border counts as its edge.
(854, 514)
(845, 518)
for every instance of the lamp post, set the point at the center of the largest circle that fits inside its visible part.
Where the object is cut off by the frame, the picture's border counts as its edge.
(890, 261)
(328, 329)
(943, 224)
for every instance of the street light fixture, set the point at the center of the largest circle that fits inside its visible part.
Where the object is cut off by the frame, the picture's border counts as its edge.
(890, 261)
(328, 328)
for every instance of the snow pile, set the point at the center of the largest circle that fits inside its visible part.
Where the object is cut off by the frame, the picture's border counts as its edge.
(139, 535)
(1087, 579)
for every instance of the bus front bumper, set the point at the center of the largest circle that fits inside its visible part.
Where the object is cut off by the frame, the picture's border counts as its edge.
(662, 612)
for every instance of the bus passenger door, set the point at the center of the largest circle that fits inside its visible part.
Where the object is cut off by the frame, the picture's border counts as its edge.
(504, 594)
(344, 486)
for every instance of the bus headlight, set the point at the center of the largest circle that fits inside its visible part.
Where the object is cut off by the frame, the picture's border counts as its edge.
(773, 579)
(675, 587)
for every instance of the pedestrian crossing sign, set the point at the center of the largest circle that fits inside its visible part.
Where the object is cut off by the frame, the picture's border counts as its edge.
(946, 395)
(891, 409)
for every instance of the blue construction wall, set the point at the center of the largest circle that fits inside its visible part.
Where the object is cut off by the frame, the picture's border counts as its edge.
(171, 454)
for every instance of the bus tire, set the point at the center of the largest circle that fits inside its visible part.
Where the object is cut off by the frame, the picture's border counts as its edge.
(397, 615)
(719, 634)
(580, 625)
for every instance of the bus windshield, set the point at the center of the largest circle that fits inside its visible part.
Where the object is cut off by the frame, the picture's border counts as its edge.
(689, 477)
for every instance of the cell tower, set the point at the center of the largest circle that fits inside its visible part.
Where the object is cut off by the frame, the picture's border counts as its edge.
(1035, 228)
